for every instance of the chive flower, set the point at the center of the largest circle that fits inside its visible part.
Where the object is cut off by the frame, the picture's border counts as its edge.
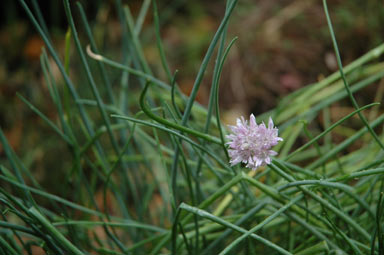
(251, 143)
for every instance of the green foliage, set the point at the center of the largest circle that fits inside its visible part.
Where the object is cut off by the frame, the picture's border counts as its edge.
(148, 171)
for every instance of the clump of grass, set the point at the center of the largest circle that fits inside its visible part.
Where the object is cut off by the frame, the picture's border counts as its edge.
(149, 173)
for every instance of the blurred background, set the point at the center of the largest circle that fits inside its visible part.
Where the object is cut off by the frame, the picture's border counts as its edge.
(283, 45)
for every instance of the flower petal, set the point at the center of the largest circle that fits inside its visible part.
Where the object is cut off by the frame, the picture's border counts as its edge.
(251, 144)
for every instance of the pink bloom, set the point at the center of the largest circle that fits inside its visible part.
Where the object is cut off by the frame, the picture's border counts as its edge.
(251, 144)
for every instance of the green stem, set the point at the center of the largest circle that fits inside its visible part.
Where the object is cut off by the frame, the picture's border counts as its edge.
(168, 123)
(328, 130)
(227, 224)
(339, 63)
(55, 233)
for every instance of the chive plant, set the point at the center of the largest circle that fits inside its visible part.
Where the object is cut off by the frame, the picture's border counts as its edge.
(150, 171)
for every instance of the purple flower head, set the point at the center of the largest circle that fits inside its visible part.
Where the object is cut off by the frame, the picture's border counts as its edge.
(251, 144)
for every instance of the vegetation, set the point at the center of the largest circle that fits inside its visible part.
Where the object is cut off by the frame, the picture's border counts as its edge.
(136, 166)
